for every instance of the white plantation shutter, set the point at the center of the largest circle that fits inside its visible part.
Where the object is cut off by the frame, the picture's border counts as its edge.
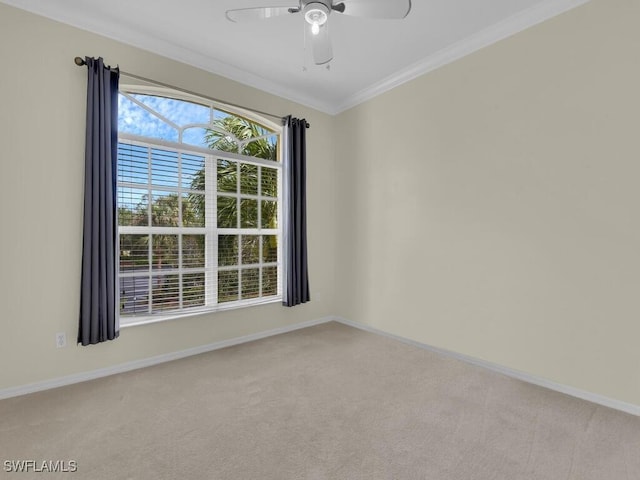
(248, 241)
(162, 229)
(198, 229)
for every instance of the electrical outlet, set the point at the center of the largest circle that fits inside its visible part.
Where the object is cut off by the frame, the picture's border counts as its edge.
(61, 339)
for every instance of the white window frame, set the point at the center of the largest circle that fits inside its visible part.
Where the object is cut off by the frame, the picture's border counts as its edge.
(211, 194)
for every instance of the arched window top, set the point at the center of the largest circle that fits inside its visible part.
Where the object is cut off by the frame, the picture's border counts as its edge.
(177, 117)
(199, 206)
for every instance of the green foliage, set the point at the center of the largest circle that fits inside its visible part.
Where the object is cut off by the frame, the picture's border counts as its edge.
(229, 134)
(232, 131)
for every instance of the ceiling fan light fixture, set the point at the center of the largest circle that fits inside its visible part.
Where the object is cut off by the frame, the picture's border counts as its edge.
(316, 15)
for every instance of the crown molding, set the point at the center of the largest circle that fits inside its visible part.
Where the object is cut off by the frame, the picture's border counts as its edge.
(506, 28)
(163, 48)
(222, 69)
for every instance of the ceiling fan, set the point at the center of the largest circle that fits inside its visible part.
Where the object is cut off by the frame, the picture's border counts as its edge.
(316, 14)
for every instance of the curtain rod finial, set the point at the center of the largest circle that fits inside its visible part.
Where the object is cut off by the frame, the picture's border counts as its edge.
(79, 61)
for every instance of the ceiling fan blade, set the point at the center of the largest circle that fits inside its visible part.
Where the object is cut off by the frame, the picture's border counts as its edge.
(321, 43)
(258, 13)
(393, 9)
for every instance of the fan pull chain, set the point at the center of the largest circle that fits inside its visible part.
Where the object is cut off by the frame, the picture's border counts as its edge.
(304, 48)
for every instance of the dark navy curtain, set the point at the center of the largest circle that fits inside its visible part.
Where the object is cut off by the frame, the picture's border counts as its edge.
(98, 314)
(296, 275)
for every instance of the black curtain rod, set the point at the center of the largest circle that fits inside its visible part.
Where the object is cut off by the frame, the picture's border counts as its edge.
(80, 62)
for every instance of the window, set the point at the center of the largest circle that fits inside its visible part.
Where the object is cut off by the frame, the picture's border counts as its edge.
(198, 206)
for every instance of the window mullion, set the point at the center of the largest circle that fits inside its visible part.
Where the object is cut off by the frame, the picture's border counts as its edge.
(151, 111)
(232, 156)
(211, 238)
(159, 180)
(239, 225)
(180, 235)
(259, 223)
(260, 262)
(280, 230)
(150, 235)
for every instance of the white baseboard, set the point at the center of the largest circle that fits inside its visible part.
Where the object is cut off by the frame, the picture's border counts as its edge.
(147, 362)
(542, 382)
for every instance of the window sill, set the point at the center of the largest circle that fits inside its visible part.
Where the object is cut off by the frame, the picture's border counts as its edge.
(127, 322)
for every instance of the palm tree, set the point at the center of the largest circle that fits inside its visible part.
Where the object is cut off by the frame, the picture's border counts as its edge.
(233, 134)
(238, 135)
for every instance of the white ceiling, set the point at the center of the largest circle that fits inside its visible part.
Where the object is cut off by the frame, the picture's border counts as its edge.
(370, 56)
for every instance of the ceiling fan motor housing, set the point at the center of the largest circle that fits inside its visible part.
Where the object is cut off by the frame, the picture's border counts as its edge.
(316, 12)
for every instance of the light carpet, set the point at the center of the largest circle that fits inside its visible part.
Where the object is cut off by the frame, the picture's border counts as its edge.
(325, 402)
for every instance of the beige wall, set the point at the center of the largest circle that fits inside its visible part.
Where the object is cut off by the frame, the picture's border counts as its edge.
(42, 108)
(492, 207)
(489, 207)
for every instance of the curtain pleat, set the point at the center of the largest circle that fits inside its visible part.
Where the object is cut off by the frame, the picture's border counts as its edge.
(296, 275)
(99, 284)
